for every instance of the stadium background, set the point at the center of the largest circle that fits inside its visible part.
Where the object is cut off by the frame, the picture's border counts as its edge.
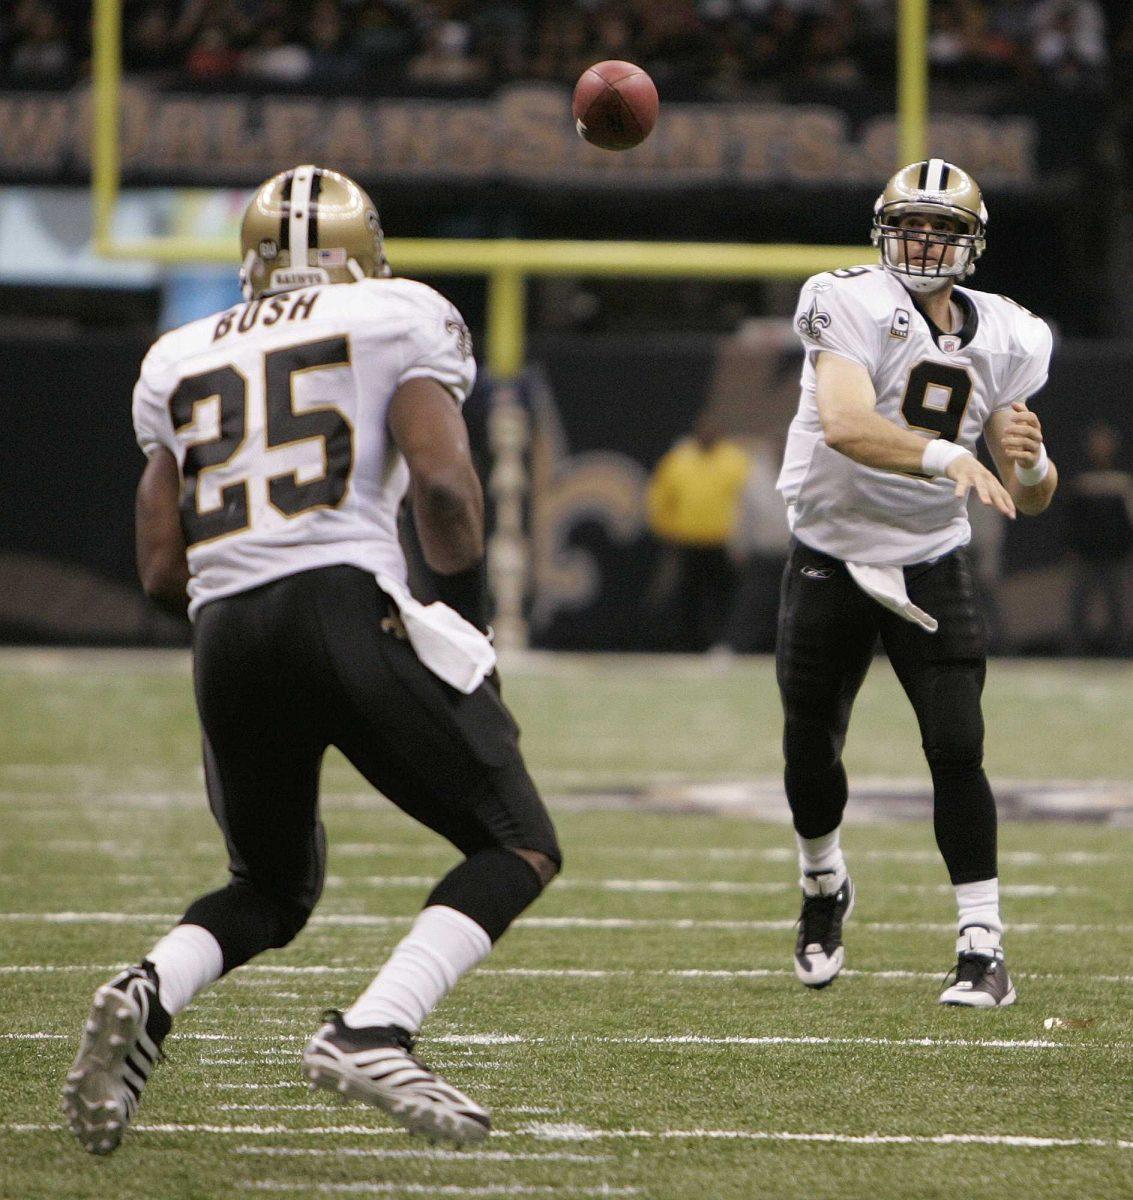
(778, 126)
(641, 1033)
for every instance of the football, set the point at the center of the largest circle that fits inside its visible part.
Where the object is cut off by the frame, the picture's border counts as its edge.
(615, 105)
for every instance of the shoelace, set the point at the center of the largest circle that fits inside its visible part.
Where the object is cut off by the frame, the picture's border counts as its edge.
(969, 968)
(146, 977)
(818, 917)
(406, 1041)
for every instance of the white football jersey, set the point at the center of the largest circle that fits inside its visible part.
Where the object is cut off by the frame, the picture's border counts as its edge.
(276, 413)
(945, 385)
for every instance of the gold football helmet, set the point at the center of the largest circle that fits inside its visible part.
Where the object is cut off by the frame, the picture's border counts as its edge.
(921, 259)
(308, 226)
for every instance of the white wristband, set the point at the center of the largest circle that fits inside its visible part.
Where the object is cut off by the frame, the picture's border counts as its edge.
(1033, 476)
(939, 455)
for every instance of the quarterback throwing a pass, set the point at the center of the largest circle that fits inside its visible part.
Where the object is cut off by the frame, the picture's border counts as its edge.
(281, 437)
(904, 371)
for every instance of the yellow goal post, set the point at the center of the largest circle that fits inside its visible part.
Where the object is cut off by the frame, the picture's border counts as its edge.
(506, 263)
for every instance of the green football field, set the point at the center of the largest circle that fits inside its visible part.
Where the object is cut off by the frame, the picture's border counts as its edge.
(640, 1032)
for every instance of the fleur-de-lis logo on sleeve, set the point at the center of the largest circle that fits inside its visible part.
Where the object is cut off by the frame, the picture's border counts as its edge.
(463, 338)
(813, 321)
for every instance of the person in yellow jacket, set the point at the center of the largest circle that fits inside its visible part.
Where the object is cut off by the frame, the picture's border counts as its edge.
(692, 501)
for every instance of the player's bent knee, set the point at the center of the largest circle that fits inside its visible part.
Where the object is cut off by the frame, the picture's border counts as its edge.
(542, 864)
(247, 920)
(293, 916)
(960, 758)
(809, 750)
(493, 886)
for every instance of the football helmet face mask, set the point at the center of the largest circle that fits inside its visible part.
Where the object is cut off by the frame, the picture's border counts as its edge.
(925, 260)
(308, 226)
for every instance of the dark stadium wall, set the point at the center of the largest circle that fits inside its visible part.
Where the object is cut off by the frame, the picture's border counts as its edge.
(604, 410)
(69, 465)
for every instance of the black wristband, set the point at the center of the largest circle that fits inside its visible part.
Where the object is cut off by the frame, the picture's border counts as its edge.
(466, 592)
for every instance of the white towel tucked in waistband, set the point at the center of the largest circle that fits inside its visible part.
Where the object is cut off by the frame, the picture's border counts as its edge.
(451, 647)
(887, 586)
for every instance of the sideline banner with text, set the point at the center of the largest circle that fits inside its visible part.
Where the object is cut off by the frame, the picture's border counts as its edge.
(523, 135)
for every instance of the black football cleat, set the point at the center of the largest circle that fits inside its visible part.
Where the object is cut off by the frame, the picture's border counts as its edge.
(376, 1065)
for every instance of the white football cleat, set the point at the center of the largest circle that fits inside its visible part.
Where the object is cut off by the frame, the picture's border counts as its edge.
(981, 979)
(121, 1045)
(819, 953)
(376, 1065)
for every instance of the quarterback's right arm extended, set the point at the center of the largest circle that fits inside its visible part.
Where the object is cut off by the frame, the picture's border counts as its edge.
(847, 408)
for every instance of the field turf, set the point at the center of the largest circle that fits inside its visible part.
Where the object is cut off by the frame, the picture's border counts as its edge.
(641, 1032)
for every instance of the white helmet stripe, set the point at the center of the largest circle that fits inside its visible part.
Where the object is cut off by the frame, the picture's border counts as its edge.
(300, 217)
(936, 175)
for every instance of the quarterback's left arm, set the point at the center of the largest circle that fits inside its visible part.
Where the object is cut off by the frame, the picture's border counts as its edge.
(163, 566)
(1015, 438)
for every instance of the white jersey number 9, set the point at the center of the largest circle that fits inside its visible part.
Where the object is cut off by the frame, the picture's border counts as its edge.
(936, 398)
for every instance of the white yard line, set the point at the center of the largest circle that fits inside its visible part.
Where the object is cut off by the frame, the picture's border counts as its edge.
(53, 1037)
(570, 1132)
(261, 1087)
(432, 1189)
(776, 854)
(617, 972)
(1018, 858)
(579, 1133)
(242, 1130)
(934, 1043)
(761, 973)
(276, 1108)
(371, 921)
(436, 1155)
(701, 887)
(253, 976)
(497, 1040)
(931, 1043)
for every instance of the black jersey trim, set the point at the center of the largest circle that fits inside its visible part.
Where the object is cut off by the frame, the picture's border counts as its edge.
(967, 328)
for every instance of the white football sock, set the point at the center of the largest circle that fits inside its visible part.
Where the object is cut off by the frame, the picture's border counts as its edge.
(978, 904)
(822, 854)
(187, 959)
(423, 968)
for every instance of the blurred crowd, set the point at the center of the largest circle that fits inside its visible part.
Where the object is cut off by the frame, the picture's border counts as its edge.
(711, 49)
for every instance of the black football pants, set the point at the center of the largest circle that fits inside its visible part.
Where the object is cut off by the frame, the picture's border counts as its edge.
(315, 659)
(828, 631)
